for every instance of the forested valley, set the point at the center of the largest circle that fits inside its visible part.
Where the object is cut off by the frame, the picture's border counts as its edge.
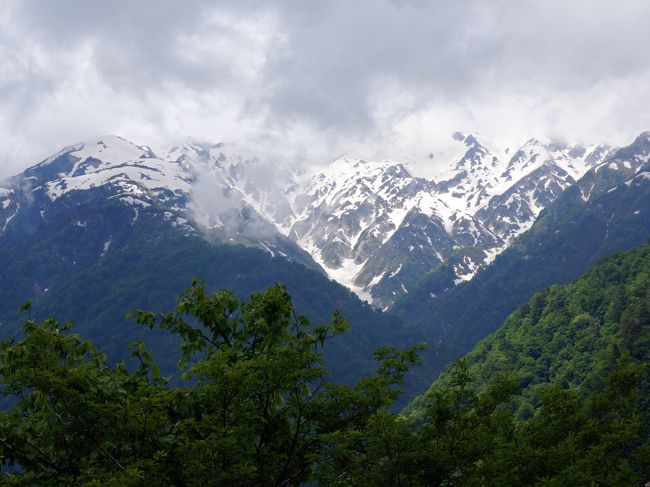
(557, 396)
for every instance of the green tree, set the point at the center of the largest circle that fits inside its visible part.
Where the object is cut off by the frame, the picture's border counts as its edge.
(253, 406)
(77, 418)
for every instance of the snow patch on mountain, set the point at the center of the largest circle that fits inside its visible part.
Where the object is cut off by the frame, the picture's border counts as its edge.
(373, 217)
(373, 226)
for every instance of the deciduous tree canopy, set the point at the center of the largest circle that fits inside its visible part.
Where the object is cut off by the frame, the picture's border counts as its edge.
(255, 406)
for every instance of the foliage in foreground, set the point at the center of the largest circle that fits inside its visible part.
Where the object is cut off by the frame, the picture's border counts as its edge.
(255, 408)
(252, 408)
(469, 438)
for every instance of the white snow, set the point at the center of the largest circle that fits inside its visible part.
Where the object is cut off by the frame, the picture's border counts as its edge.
(107, 245)
(375, 280)
(267, 248)
(138, 179)
(395, 272)
(8, 220)
(345, 275)
(350, 202)
(130, 200)
(639, 176)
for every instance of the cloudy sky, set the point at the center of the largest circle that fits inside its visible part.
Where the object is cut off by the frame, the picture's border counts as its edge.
(310, 80)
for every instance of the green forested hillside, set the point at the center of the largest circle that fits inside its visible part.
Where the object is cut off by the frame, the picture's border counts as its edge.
(90, 263)
(571, 335)
(559, 397)
(148, 275)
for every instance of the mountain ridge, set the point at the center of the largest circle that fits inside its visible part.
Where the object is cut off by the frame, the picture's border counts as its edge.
(370, 225)
(604, 212)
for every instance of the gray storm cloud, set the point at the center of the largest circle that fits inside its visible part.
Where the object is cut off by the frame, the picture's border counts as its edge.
(309, 80)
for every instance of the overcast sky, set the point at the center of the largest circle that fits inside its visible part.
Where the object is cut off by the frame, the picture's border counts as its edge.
(309, 80)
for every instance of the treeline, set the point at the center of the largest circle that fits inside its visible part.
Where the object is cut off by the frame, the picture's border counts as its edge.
(256, 406)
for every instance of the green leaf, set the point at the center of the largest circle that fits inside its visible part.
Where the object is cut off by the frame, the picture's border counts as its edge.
(26, 306)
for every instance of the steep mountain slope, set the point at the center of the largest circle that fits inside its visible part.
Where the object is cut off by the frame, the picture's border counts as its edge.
(106, 226)
(534, 177)
(375, 226)
(188, 187)
(570, 335)
(267, 185)
(155, 263)
(603, 213)
(378, 229)
(559, 395)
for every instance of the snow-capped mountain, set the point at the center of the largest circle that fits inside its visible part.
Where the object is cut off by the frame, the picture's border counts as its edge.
(506, 193)
(628, 165)
(266, 185)
(606, 211)
(373, 226)
(189, 187)
(378, 229)
(535, 175)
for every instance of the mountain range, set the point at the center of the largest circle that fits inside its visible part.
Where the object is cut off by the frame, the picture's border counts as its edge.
(603, 212)
(450, 256)
(378, 229)
(105, 227)
(372, 226)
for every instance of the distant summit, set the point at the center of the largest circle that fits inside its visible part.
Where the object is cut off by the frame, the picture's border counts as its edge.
(371, 225)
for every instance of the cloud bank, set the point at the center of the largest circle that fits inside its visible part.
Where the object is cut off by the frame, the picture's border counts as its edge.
(310, 80)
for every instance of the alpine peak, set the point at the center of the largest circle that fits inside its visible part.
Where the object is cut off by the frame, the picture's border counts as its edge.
(373, 225)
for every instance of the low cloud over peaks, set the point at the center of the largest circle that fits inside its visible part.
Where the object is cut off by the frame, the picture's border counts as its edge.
(309, 81)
